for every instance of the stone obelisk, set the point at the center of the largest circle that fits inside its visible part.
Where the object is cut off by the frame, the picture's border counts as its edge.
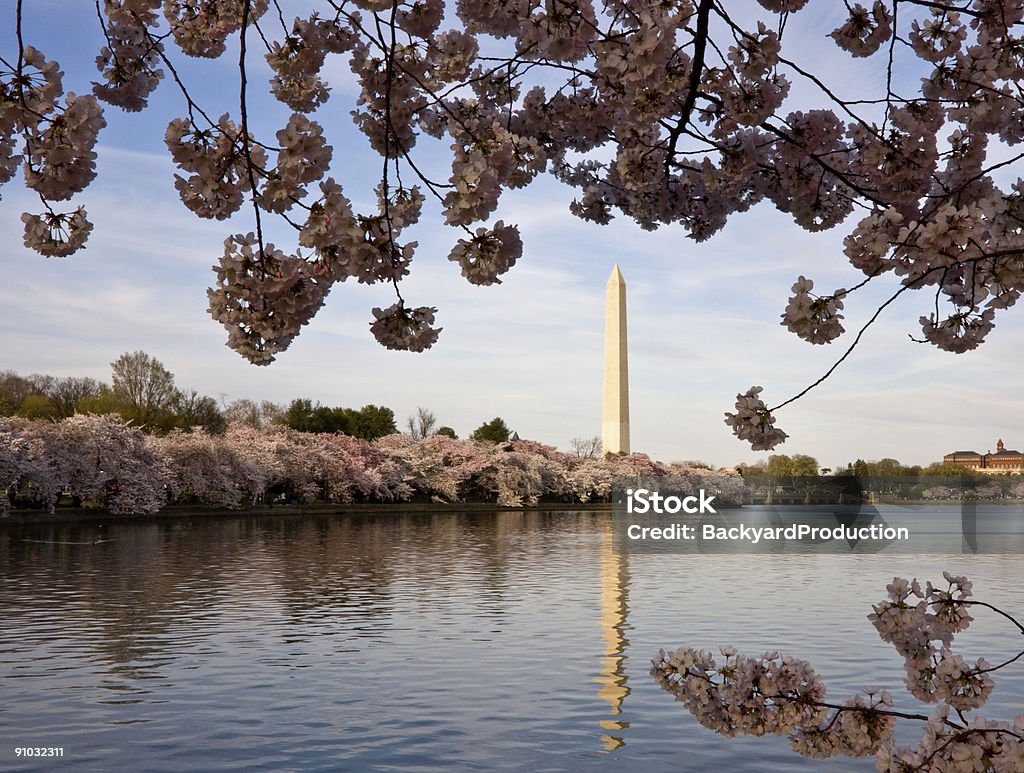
(615, 410)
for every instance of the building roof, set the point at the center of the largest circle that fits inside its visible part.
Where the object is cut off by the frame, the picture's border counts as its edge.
(963, 453)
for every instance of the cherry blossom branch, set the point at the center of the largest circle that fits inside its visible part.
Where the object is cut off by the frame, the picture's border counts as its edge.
(843, 104)
(889, 65)
(20, 76)
(692, 146)
(191, 105)
(908, 285)
(21, 50)
(967, 733)
(1005, 663)
(803, 700)
(280, 17)
(849, 349)
(997, 610)
(438, 99)
(817, 158)
(259, 31)
(964, 9)
(389, 137)
(778, 694)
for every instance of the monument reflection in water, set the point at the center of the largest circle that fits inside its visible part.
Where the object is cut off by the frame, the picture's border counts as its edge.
(614, 611)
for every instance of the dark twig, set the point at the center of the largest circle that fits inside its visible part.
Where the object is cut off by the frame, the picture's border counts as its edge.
(700, 42)
(246, 149)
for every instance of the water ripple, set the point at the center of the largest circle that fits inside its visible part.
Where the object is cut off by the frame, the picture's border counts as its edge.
(404, 642)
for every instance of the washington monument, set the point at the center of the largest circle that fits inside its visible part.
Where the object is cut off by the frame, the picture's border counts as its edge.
(615, 409)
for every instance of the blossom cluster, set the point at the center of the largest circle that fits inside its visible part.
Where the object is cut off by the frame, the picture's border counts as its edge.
(783, 695)
(263, 297)
(770, 694)
(488, 254)
(924, 637)
(397, 327)
(201, 27)
(58, 133)
(364, 247)
(814, 319)
(128, 63)
(298, 58)
(303, 158)
(215, 160)
(84, 454)
(56, 234)
(864, 32)
(753, 421)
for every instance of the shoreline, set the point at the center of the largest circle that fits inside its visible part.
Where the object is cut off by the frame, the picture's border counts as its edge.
(84, 515)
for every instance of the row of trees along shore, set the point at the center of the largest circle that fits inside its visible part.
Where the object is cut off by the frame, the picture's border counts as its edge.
(103, 461)
(793, 479)
(802, 465)
(140, 443)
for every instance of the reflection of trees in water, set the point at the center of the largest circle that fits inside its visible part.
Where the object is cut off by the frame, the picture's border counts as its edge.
(158, 592)
(163, 593)
(352, 574)
(336, 572)
(332, 572)
(119, 600)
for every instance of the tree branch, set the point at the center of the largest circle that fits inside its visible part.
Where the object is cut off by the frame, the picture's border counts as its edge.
(246, 149)
(700, 42)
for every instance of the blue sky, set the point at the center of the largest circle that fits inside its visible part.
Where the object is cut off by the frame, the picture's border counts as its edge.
(703, 318)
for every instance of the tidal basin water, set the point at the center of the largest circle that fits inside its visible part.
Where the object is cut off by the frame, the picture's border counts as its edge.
(498, 641)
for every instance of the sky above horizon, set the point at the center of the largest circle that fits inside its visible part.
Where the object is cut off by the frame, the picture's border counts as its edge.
(703, 318)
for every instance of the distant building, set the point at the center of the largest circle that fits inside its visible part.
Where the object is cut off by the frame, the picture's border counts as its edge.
(1002, 462)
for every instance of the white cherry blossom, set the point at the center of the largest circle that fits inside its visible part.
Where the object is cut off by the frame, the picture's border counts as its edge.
(753, 421)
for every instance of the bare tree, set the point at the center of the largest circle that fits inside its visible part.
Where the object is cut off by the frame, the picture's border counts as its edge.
(13, 390)
(145, 385)
(244, 411)
(195, 410)
(586, 448)
(422, 424)
(66, 393)
(252, 414)
(272, 413)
